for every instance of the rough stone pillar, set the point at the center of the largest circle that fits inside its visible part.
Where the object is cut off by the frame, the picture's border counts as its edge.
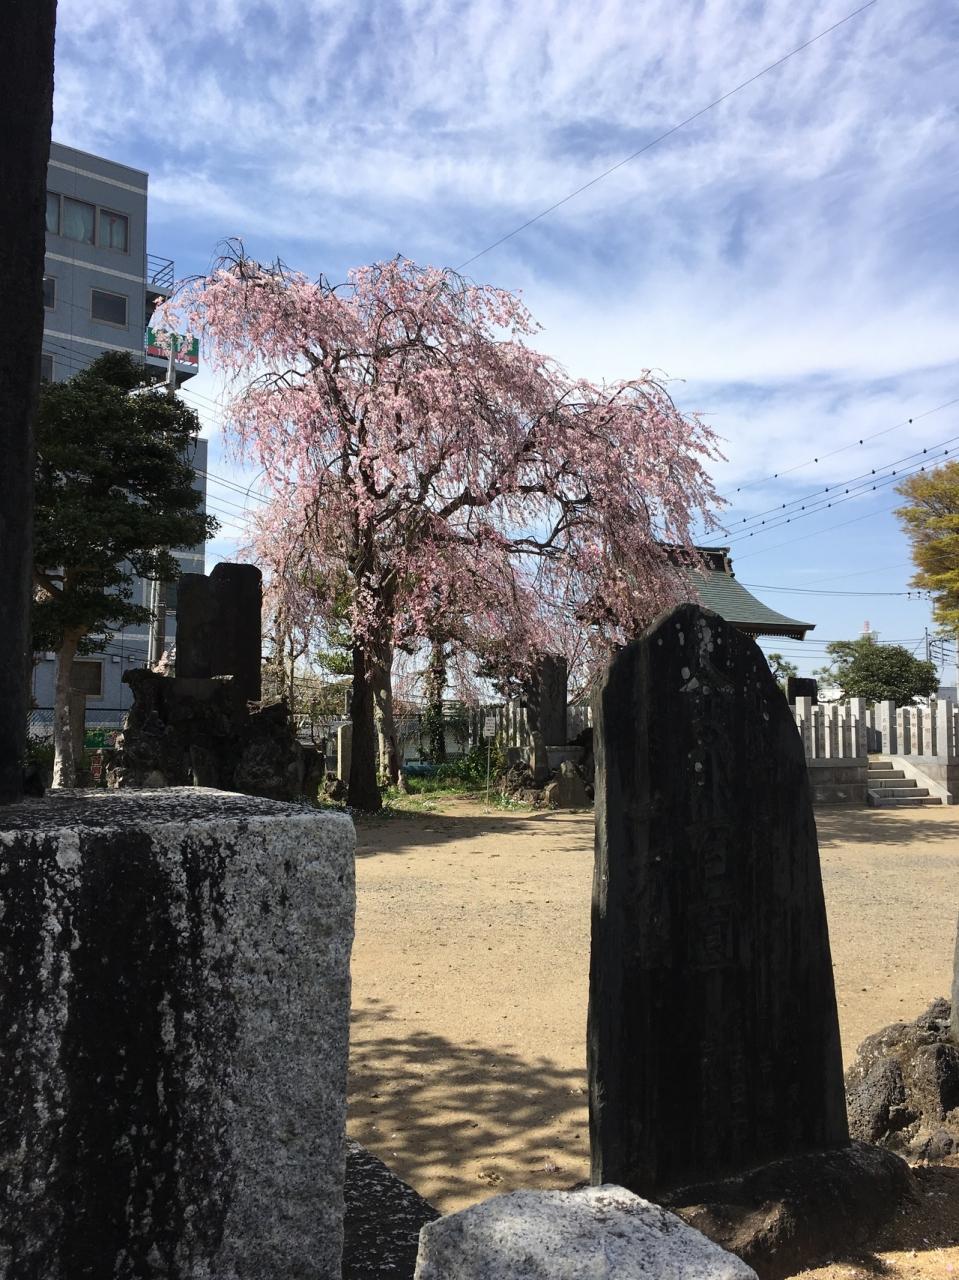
(174, 999)
(887, 726)
(218, 626)
(344, 752)
(903, 737)
(928, 730)
(945, 732)
(713, 1038)
(804, 707)
(859, 715)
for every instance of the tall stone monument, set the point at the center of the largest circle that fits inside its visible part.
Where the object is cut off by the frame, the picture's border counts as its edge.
(713, 1040)
(218, 626)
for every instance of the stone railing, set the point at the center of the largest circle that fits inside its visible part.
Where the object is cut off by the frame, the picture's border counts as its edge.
(930, 731)
(834, 730)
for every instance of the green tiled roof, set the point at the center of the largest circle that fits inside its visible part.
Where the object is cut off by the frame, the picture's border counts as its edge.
(718, 590)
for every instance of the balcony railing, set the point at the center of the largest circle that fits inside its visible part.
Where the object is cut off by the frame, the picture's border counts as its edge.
(160, 272)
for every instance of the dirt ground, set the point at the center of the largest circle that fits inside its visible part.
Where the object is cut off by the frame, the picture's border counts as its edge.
(470, 973)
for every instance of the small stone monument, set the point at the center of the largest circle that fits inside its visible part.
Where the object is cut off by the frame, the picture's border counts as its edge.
(802, 687)
(713, 1033)
(218, 626)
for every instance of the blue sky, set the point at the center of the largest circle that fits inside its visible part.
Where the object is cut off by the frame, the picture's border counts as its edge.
(788, 261)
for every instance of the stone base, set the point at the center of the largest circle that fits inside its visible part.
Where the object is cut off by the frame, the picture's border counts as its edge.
(791, 1214)
(174, 1009)
(835, 782)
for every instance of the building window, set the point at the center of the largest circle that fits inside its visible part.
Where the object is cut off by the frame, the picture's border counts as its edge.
(113, 230)
(49, 292)
(46, 368)
(53, 213)
(109, 307)
(87, 677)
(79, 220)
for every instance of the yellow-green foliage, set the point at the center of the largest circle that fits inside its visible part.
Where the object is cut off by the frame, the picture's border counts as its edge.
(932, 522)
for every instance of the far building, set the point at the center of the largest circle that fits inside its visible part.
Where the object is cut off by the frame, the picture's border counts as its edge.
(716, 587)
(100, 288)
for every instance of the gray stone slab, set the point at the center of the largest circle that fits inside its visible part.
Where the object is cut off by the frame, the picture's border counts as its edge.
(713, 1040)
(174, 1006)
(603, 1232)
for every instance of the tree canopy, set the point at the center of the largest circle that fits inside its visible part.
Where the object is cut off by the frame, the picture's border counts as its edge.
(114, 491)
(879, 672)
(416, 449)
(931, 519)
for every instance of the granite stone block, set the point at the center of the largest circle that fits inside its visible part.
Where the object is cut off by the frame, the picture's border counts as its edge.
(174, 1008)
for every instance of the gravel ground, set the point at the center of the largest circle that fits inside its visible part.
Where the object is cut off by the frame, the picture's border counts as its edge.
(470, 973)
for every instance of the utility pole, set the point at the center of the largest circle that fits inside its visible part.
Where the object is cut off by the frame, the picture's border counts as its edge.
(157, 642)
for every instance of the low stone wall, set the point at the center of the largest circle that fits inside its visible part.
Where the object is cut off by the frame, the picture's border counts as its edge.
(174, 1012)
(839, 782)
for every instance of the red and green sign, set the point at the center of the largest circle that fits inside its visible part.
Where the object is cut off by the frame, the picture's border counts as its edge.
(186, 350)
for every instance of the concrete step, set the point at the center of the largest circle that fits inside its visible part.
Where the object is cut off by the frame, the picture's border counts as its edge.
(888, 775)
(890, 780)
(879, 766)
(882, 800)
(902, 793)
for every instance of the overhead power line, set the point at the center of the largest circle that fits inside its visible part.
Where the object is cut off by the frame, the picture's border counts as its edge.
(853, 444)
(811, 591)
(654, 142)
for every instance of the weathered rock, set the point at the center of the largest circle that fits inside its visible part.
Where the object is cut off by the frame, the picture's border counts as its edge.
(192, 731)
(572, 788)
(382, 1222)
(218, 626)
(174, 1008)
(570, 1235)
(795, 1213)
(954, 1017)
(713, 1035)
(902, 1091)
(551, 795)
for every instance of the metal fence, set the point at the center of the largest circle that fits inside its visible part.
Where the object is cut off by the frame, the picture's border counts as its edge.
(101, 722)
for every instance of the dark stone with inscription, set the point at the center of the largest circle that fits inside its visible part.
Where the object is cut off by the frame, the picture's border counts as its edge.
(713, 1041)
(801, 687)
(218, 626)
(546, 697)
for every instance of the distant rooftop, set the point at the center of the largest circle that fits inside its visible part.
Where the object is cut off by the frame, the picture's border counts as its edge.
(717, 589)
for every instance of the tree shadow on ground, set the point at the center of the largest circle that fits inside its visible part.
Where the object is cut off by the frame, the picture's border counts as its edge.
(885, 827)
(457, 1121)
(401, 831)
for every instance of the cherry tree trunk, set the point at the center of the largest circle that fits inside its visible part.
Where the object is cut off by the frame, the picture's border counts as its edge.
(435, 688)
(364, 792)
(26, 106)
(386, 721)
(64, 746)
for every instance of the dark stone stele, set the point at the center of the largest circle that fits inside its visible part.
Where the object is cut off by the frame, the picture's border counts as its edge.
(218, 626)
(801, 687)
(545, 696)
(713, 1038)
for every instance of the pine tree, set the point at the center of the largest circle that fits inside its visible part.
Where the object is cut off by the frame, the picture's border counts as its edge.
(114, 488)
